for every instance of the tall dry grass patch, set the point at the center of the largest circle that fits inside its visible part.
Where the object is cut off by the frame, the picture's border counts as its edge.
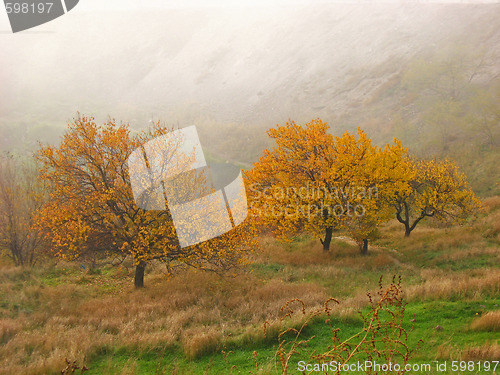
(489, 322)
(8, 329)
(307, 257)
(199, 341)
(492, 203)
(308, 251)
(194, 309)
(439, 284)
(489, 224)
(485, 352)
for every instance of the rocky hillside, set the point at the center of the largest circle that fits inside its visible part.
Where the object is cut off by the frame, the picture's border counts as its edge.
(236, 71)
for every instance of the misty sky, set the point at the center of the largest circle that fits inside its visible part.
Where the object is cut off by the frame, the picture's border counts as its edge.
(245, 62)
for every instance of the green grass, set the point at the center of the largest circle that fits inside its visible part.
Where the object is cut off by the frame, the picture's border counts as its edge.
(453, 316)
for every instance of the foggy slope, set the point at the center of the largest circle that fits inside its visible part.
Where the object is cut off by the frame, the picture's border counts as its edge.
(254, 66)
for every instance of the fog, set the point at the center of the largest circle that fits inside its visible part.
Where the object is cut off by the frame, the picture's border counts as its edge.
(255, 63)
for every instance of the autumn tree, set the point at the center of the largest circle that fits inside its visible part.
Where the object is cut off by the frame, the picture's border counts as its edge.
(287, 184)
(92, 208)
(383, 172)
(21, 195)
(432, 189)
(314, 182)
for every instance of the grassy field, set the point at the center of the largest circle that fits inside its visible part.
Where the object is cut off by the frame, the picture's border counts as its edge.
(204, 323)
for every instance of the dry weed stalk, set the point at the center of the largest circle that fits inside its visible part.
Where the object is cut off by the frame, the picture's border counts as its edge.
(383, 338)
(72, 366)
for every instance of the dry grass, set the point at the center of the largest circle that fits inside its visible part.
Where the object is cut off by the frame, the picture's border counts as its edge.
(438, 284)
(492, 203)
(383, 260)
(489, 322)
(489, 224)
(309, 256)
(472, 252)
(195, 309)
(485, 352)
(434, 239)
(48, 316)
(308, 253)
(8, 328)
(444, 351)
(382, 336)
(201, 341)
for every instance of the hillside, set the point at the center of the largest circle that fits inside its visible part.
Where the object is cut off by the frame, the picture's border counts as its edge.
(234, 72)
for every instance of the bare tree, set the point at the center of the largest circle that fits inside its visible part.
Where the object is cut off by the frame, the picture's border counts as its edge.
(21, 194)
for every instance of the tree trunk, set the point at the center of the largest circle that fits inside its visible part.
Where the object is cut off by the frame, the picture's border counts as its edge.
(328, 239)
(407, 230)
(364, 247)
(406, 220)
(139, 275)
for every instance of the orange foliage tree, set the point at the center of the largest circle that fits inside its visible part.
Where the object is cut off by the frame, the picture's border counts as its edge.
(432, 188)
(92, 210)
(312, 181)
(383, 171)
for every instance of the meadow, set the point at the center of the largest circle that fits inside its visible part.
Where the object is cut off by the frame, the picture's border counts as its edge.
(203, 323)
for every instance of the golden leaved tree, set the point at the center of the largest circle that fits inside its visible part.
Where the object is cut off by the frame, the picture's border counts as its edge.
(92, 208)
(382, 171)
(314, 182)
(285, 186)
(432, 188)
